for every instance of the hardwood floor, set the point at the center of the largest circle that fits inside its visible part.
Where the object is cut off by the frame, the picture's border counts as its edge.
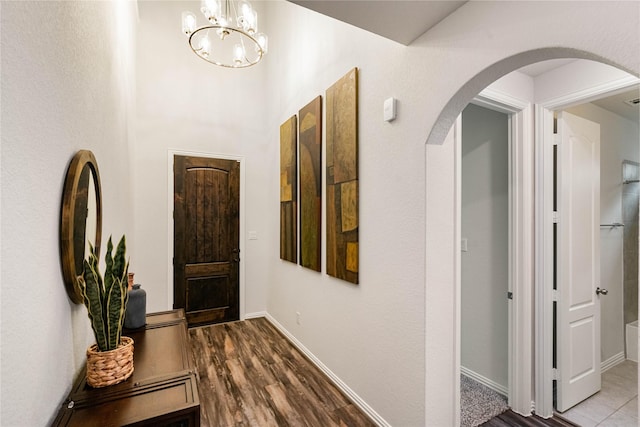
(511, 419)
(250, 375)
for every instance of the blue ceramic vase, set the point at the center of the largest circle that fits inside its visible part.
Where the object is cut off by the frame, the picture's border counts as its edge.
(136, 312)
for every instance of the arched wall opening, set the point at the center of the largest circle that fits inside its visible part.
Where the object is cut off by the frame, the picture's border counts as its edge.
(442, 263)
(489, 75)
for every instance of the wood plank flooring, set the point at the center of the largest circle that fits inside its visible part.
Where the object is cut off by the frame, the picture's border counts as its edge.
(511, 419)
(250, 375)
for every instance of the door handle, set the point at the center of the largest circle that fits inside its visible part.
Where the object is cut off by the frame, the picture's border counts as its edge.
(601, 291)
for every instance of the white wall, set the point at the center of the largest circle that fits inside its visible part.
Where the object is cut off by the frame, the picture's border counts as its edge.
(65, 87)
(189, 105)
(485, 226)
(359, 330)
(370, 335)
(618, 141)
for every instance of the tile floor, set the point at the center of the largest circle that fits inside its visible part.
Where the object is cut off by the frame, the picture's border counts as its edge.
(616, 404)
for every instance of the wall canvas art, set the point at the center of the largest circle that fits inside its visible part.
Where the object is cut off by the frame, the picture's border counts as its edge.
(310, 134)
(288, 190)
(342, 178)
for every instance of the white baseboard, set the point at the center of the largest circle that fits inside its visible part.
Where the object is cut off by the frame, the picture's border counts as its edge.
(344, 388)
(484, 381)
(612, 361)
(254, 315)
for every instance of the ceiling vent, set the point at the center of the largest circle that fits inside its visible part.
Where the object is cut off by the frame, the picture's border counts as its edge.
(633, 102)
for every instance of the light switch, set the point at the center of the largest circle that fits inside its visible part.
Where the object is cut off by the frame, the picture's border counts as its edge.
(253, 235)
(463, 245)
(390, 109)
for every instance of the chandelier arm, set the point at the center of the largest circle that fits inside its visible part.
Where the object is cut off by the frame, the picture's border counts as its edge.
(211, 58)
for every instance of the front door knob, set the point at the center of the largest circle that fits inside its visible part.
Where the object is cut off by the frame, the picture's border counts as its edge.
(601, 291)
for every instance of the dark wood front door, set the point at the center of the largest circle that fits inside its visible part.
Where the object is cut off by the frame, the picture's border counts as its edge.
(206, 239)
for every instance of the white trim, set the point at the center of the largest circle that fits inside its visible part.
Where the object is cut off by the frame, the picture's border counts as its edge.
(591, 94)
(457, 243)
(544, 265)
(341, 385)
(614, 360)
(254, 315)
(499, 388)
(499, 101)
(544, 233)
(241, 159)
(520, 262)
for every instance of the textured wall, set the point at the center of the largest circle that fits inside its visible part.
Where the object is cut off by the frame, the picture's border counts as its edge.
(65, 87)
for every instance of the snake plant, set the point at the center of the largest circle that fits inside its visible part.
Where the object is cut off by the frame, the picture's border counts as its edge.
(106, 301)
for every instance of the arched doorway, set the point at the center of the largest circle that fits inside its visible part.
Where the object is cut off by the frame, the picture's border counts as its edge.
(443, 224)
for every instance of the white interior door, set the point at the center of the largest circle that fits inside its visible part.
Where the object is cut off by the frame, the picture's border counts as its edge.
(578, 260)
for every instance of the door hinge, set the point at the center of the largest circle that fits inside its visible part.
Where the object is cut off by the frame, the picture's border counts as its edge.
(555, 217)
(555, 295)
(556, 139)
(555, 374)
(509, 295)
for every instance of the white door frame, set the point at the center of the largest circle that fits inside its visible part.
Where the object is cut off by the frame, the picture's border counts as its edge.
(240, 159)
(520, 254)
(544, 231)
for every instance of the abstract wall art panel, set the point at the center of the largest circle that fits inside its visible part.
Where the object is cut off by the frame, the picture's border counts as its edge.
(288, 190)
(342, 178)
(310, 134)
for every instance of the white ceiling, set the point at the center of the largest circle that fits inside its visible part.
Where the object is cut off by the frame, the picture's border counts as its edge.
(399, 20)
(616, 104)
(542, 67)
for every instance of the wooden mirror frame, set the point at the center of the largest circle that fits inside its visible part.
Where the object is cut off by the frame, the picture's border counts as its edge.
(73, 191)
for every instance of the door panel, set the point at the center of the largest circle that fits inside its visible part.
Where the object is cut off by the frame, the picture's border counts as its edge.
(206, 239)
(578, 261)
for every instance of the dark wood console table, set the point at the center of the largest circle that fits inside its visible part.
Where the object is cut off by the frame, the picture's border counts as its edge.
(162, 391)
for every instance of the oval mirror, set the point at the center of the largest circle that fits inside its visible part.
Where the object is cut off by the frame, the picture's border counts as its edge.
(81, 218)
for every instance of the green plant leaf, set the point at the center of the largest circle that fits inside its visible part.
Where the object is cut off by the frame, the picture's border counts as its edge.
(115, 308)
(91, 294)
(119, 261)
(108, 267)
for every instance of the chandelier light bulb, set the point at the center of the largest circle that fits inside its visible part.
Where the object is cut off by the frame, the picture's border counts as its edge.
(238, 53)
(263, 42)
(188, 22)
(211, 9)
(245, 7)
(247, 17)
(251, 22)
(205, 47)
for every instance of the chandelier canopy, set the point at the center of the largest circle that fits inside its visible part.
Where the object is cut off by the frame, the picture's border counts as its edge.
(231, 38)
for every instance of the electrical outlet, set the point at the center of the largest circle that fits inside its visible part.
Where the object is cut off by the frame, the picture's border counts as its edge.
(298, 317)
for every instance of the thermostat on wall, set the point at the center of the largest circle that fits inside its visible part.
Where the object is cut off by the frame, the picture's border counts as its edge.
(390, 109)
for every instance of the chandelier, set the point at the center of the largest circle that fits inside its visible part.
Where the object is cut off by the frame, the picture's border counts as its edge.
(231, 37)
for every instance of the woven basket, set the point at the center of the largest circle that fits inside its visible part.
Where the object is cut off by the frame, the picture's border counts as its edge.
(105, 368)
